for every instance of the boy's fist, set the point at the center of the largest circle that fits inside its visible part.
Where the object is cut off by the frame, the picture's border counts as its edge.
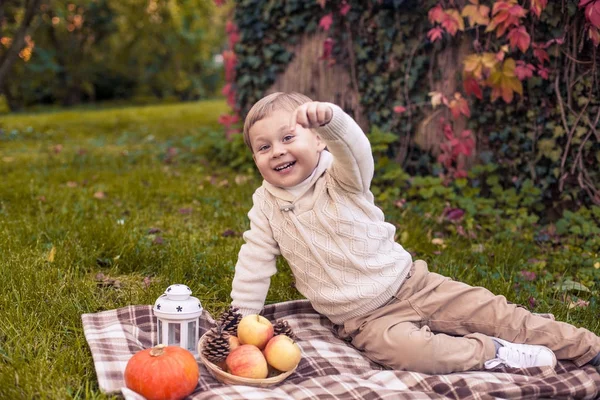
(311, 115)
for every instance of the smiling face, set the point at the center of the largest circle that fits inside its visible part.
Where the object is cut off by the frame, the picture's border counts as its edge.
(283, 158)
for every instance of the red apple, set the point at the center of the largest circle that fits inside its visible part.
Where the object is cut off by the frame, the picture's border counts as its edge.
(282, 353)
(255, 329)
(247, 361)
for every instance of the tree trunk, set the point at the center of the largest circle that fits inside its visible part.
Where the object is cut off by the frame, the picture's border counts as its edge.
(13, 104)
(11, 55)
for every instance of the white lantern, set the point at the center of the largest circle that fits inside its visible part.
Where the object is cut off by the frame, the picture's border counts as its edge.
(178, 318)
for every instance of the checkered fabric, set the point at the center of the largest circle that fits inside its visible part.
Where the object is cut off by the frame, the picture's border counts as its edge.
(330, 368)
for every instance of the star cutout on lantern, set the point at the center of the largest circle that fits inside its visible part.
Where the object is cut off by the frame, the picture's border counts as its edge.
(158, 306)
(168, 289)
(179, 309)
(199, 306)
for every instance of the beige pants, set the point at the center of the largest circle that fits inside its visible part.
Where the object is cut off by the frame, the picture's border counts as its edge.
(436, 325)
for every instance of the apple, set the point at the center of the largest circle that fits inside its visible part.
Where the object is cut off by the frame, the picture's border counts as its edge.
(255, 329)
(234, 343)
(282, 353)
(247, 361)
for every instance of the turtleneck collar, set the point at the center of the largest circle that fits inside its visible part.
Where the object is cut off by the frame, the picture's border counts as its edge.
(289, 194)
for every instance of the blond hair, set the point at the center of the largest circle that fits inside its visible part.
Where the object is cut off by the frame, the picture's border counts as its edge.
(272, 102)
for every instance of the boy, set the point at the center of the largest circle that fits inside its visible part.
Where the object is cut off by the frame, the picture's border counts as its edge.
(315, 208)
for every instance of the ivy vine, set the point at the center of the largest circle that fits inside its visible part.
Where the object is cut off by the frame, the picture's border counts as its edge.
(546, 135)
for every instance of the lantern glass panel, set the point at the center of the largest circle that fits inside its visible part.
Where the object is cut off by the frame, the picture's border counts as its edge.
(174, 333)
(191, 346)
(159, 331)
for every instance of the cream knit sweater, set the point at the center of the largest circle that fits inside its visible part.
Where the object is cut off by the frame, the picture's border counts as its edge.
(339, 248)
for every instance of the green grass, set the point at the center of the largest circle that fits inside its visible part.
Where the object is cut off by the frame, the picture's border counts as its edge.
(128, 193)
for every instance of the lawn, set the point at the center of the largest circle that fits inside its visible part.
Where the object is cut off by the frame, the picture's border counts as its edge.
(100, 209)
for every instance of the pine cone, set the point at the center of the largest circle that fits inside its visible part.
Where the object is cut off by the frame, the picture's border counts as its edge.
(229, 320)
(283, 328)
(216, 346)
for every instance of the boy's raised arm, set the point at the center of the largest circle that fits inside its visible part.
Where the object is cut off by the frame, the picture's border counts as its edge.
(255, 265)
(353, 164)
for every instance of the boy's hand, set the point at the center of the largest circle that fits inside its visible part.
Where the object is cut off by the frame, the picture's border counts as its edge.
(311, 115)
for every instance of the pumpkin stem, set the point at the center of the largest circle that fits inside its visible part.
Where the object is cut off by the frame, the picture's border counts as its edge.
(158, 350)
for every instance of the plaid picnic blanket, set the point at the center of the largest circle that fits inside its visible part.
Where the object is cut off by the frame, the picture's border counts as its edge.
(330, 367)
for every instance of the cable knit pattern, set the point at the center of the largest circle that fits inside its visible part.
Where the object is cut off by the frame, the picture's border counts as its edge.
(336, 241)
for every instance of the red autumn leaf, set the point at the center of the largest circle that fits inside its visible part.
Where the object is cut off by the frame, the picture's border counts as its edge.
(518, 37)
(540, 53)
(322, 3)
(399, 109)
(452, 22)
(219, 3)
(592, 13)
(458, 105)
(326, 22)
(537, 6)
(543, 72)
(524, 71)
(435, 33)
(471, 86)
(506, 13)
(327, 49)
(436, 14)
(344, 8)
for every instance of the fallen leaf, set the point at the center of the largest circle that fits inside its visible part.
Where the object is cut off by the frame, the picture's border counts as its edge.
(477, 248)
(404, 236)
(153, 231)
(229, 232)
(528, 275)
(52, 254)
(578, 304)
(532, 302)
(569, 285)
(241, 179)
(147, 282)
(438, 242)
(71, 184)
(100, 195)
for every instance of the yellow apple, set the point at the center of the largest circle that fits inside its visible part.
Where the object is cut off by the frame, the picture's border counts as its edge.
(247, 361)
(255, 329)
(282, 353)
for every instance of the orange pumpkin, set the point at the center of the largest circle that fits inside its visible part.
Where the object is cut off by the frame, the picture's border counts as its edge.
(162, 373)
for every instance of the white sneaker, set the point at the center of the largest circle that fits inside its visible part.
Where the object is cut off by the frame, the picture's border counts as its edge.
(521, 356)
